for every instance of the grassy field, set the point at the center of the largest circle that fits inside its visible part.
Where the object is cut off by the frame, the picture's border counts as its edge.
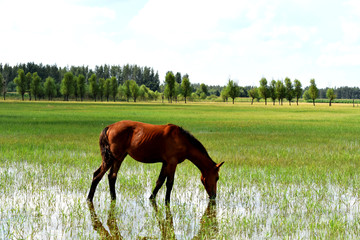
(289, 172)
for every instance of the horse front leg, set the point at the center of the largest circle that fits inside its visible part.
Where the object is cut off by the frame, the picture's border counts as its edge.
(169, 181)
(159, 182)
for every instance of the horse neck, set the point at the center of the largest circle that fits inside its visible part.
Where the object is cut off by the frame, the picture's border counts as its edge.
(201, 160)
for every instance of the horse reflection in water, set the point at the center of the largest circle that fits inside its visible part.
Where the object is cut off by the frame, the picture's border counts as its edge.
(208, 223)
(111, 222)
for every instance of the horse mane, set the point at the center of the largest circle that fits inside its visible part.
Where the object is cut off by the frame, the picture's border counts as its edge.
(196, 143)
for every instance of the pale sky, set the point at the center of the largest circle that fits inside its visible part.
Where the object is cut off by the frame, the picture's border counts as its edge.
(210, 40)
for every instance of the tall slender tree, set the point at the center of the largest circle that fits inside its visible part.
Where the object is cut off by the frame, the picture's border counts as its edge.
(29, 78)
(233, 90)
(113, 87)
(264, 89)
(297, 90)
(186, 87)
(67, 85)
(330, 94)
(35, 85)
(93, 86)
(272, 91)
(178, 78)
(107, 89)
(253, 93)
(6, 73)
(280, 91)
(224, 94)
(289, 92)
(81, 86)
(203, 91)
(134, 89)
(50, 88)
(21, 84)
(1, 83)
(101, 88)
(313, 91)
(126, 90)
(170, 85)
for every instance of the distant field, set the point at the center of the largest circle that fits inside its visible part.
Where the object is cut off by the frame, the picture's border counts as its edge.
(289, 172)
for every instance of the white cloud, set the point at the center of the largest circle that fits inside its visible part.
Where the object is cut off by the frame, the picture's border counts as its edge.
(210, 40)
(50, 31)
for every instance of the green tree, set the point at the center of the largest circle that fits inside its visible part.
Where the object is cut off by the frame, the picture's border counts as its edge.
(177, 90)
(253, 93)
(178, 78)
(107, 88)
(330, 94)
(313, 91)
(289, 92)
(134, 89)
(233, 90)
(204, 92)
(6, 72)
(264, 89)
(185, 87)
(75, 82)
(272, 91)
(29, 79)
(113, 87)
(121, 91)
(297, 90)
(224, 94)
(143, 92)
(157, 95)
(170, 85)
(81, 86)
(306, 95)
(126, 90)
(280, 91)
(67, 85)
(1, 83)
(50, 88)
(93, 86)
(21, 84)
(35, 86)
(101, 88)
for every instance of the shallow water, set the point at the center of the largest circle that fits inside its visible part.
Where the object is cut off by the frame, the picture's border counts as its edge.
(36, 203)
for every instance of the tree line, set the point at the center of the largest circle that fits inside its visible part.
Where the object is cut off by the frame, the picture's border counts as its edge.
(277, 91)
(77, 87)
(134, 82)
(142, 75)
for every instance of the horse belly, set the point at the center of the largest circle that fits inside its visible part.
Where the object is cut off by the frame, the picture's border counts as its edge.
(145, 155)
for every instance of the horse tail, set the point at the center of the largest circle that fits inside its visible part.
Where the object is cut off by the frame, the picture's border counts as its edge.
(105, 147)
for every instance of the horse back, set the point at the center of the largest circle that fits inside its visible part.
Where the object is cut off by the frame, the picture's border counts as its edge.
(146, 142)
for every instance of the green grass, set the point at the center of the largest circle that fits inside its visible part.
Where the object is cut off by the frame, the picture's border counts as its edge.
(289, 172)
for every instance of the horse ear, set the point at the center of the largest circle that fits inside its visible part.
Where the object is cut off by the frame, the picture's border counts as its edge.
(219, 165)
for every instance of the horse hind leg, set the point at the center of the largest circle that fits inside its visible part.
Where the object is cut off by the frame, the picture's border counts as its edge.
(113, 175)
(98, 174)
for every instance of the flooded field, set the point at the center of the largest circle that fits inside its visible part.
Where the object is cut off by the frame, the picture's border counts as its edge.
(35, 206)
(281, 178)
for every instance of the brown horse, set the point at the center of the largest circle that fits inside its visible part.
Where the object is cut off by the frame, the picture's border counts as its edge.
(147, 143)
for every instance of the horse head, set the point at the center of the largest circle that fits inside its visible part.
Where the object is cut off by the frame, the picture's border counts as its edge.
(209, 180)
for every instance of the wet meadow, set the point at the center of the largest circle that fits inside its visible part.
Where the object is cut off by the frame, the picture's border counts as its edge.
(290, 172)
